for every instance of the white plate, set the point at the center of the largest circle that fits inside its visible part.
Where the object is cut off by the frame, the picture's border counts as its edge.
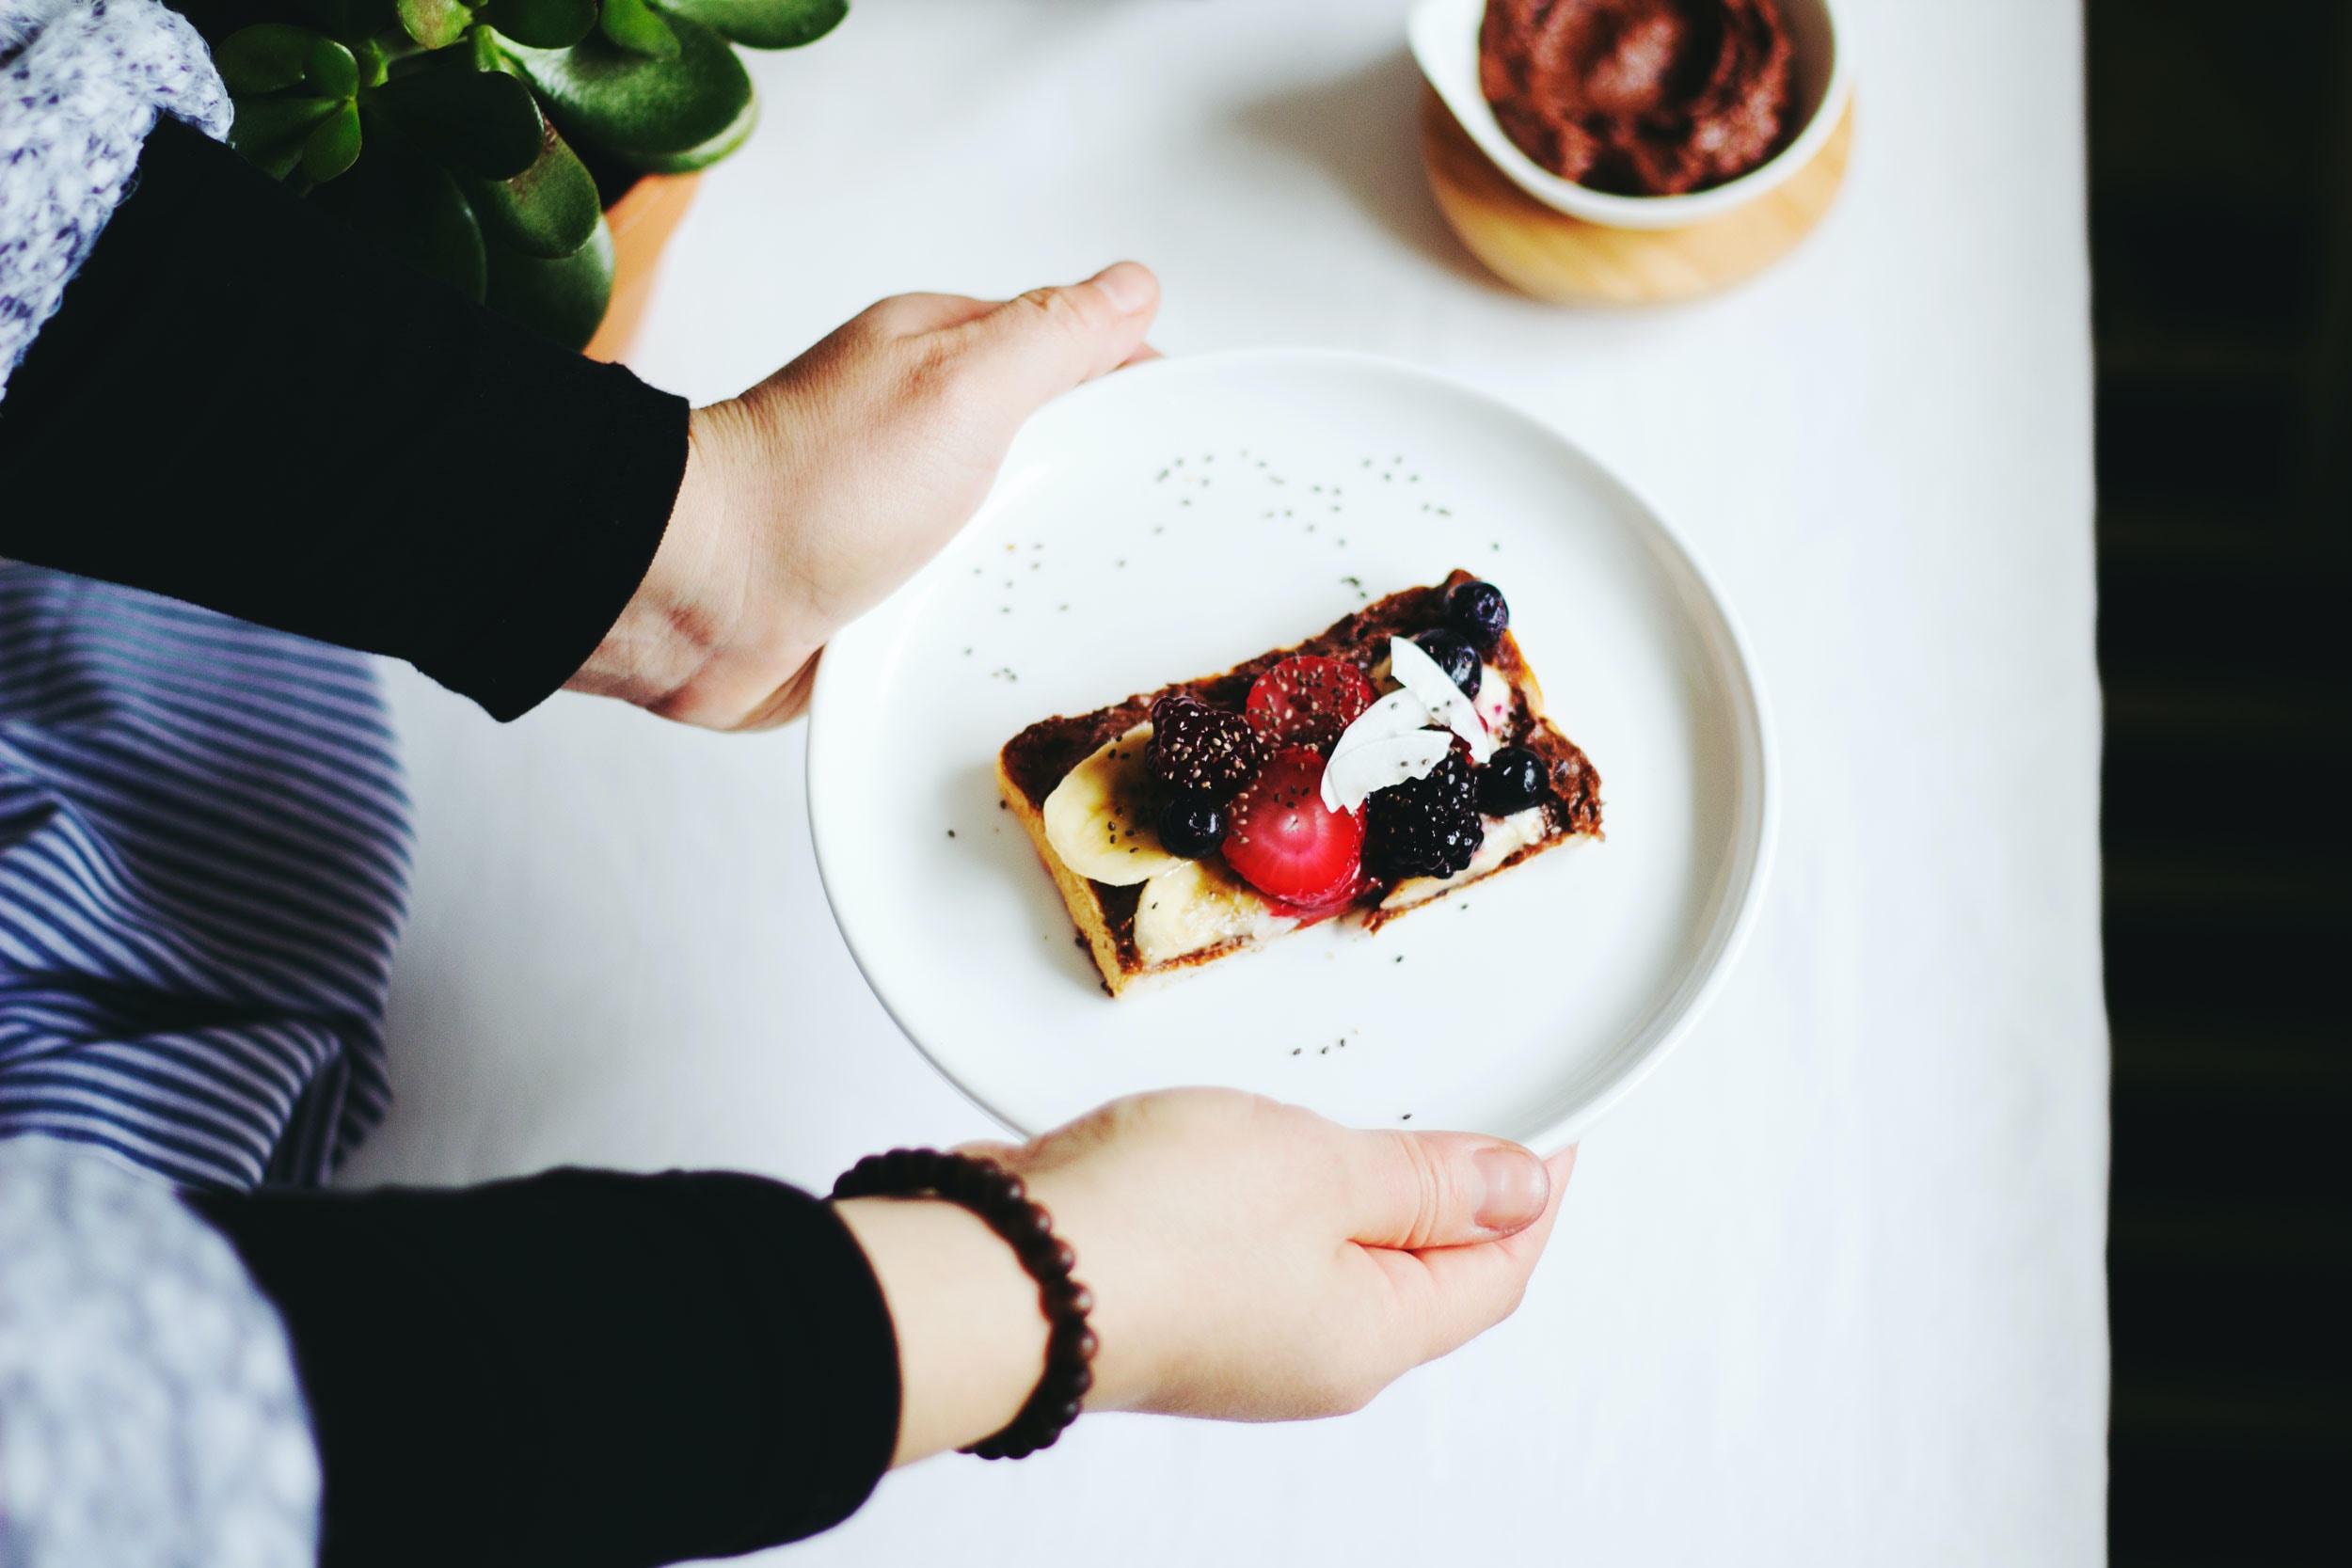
(1174, 520)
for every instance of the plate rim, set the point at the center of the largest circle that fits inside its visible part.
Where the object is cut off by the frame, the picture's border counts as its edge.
(1756, 837)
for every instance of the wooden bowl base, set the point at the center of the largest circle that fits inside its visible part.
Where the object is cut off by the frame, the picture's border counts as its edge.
(1552, 256)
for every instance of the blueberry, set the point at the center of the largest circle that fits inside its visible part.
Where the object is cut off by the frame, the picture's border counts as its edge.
(1513, 780)
(1456, 658)
(1478, 612)
(1191, 826)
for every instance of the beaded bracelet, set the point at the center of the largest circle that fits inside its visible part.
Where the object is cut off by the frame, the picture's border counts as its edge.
(998, 1198)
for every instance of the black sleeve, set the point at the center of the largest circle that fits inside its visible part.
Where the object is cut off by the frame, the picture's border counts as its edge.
(582, 1368)
(244, 405)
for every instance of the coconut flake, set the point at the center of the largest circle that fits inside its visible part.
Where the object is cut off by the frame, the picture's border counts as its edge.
(1392, 740)
(1393, 717)
(1398, 713)
(1423, 676)
(1353, 774)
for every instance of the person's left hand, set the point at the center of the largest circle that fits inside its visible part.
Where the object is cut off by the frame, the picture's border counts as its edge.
(1249, 1260)
(812, 496)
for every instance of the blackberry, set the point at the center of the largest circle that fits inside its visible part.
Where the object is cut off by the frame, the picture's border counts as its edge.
(1191, 826)
(1478, 612)
(1426, 827)
(1199, 750)
(1513, 780)
(1455, 655)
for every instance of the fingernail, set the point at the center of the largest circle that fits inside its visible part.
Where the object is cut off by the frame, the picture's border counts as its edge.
(1516, 1188)
(1127, 285)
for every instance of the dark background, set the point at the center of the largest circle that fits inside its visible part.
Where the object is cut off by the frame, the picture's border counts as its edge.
(2221, 260)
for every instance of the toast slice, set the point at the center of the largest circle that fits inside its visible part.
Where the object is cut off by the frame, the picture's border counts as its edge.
(1195, 912)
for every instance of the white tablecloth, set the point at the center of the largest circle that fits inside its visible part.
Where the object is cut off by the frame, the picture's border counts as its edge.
(1829, 1289)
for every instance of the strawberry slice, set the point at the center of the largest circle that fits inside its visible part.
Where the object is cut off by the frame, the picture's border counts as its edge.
(1332, 904)
(1284, 842)
(1308, 699)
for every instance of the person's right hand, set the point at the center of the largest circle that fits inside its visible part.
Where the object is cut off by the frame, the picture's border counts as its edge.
(1250, 1261)
(809, 497)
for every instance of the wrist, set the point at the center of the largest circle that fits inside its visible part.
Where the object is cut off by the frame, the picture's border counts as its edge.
(1126, 1370)
(971, 1337)
(667, 633)
(713, 635)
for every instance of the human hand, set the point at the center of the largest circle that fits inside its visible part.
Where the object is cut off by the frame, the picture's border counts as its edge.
(809, 497)
(1250, 1261)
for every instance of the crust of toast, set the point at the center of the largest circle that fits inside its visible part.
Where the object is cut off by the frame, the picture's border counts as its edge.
(1094, 929)
(1122, 973)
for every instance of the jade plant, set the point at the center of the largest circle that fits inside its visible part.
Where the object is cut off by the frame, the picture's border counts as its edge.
(481, 143)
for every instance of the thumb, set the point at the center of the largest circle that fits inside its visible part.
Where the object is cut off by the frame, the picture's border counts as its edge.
(1418, 1190)
(1048, 340)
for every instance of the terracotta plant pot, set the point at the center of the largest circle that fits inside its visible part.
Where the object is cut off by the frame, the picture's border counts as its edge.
(642, 223)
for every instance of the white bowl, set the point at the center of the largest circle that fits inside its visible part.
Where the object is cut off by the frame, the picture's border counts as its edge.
(1444, 35)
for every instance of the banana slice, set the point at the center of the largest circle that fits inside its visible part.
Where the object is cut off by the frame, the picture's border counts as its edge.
(1099, 820)
(1198, 904)
(1493, 701)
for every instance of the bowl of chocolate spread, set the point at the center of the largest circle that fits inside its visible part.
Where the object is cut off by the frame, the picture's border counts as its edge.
(1638, 113)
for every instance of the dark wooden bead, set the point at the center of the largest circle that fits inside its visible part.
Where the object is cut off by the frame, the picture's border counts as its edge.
(1047, 1255)
(1001, 1199)
(997, 1190)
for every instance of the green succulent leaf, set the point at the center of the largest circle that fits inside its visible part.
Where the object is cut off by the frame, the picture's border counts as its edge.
(710, 152)
(332, 71)
(482, 121)
(636, 27)
(542, 23)
(271, 133)
(487, 56)
(563, 299)
(548, 211)
(434, 23)
(269, 57)
(276, 55)
(333, 145)
(764, 24)
(369, 55)
(411, 206)
(638, 107)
